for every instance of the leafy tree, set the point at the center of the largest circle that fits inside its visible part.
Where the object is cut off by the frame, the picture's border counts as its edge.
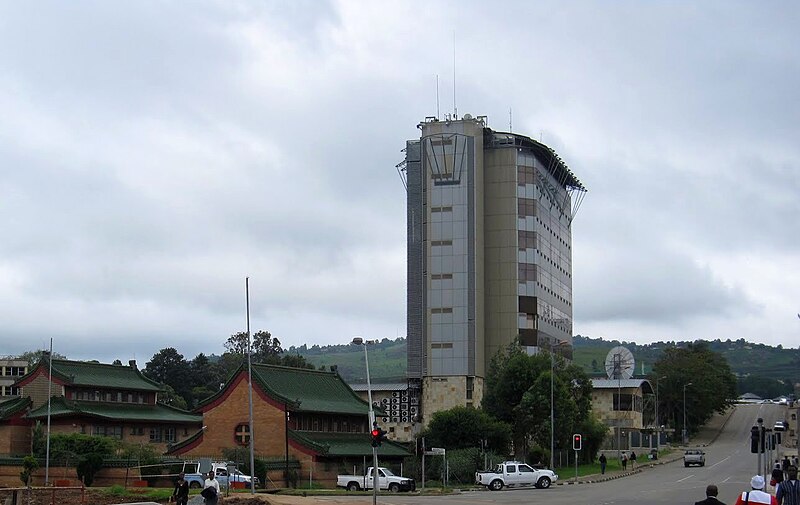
(88, 466)
(169, 396)
(263, 345)
(712, 389)
(518, 393)
(169, 367)
(86, 451)
(34, 357)
(29, 465)
(265, 349)
(466, 427)
(38, 440)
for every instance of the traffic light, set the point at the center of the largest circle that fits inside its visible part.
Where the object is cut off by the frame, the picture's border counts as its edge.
(576, 442)
(756, 440)
(377, 435)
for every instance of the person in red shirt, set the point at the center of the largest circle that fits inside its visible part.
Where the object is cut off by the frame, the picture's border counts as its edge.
(756, 495)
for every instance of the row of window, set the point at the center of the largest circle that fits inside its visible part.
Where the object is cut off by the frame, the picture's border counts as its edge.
(327, 424)
(442, 310)
(10, 391)
(627, 402)
(14, 371)
(108, 396)
(157, 434)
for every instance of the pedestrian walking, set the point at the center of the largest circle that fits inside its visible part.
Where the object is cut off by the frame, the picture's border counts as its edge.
(777, 474)
(756, 495)
(624, 461)
(603, 462)
(211, 489)
(180, 495)
(785, 464)
(633, 460)
(711, 496)
(789, 490)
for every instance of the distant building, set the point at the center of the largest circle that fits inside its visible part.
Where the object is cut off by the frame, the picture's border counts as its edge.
(95, 399)
(11, 369)
(399, 403)
(620, 406)
(489, 244)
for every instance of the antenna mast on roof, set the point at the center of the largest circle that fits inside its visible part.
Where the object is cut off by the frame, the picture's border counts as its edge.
(510, 122)
(437, 96)
(455, 109)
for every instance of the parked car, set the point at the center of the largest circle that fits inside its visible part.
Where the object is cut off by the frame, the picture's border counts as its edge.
(694, 457)
(780, 426)
(515, 474)
(386, 480)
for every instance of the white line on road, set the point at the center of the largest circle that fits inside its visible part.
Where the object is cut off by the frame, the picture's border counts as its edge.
(727, 479)
(718, 462)
(683, 479)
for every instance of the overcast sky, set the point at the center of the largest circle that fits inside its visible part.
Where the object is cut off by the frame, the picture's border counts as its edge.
(154, 154)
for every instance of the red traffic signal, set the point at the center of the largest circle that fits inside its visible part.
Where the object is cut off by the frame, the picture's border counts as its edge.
(576, 442)
(377, 435)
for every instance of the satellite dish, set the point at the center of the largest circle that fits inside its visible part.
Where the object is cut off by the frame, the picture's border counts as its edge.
(620, 363)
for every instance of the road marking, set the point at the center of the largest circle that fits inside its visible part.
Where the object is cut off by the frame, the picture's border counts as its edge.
(718, 462)
(683, 479)
(727, 479)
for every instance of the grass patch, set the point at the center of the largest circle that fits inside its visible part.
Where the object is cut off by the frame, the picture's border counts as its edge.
(143, 493)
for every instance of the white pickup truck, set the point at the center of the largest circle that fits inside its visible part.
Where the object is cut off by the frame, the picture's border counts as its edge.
(515, 474)
(386, 480)
(196, 479)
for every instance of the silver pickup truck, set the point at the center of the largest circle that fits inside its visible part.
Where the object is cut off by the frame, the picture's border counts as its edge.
(694, 457)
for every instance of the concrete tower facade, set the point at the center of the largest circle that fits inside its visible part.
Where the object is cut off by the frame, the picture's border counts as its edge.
(489, 254)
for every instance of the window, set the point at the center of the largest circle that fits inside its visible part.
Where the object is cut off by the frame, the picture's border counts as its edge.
(511, 468)
(137, 430)
(623, 401)
(155, 434)
(442, 310)
(242, 434)
(169, 435)
(525, 469)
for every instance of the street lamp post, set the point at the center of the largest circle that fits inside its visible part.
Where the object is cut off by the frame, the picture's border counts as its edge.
(658, 423)
(685, 432)
(552, 403)
(362, 342)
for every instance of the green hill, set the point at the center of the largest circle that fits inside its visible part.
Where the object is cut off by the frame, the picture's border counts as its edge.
(762, 369)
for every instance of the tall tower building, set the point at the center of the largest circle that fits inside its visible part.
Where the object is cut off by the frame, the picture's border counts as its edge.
(489, 254)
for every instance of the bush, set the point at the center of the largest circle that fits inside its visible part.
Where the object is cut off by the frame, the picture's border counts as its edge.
(29, 465)
(88, 466)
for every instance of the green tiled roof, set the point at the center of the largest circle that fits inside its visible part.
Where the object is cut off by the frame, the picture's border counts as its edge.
(85, 373)
(317, 391)
(10, 407)
(304, 390)
(59, 406)
(346, 444)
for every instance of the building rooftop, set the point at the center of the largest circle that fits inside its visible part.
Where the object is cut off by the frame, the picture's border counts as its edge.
(92, 374)
(60, 407)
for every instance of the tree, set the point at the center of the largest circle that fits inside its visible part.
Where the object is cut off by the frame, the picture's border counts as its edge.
(169, 367)
(265, 349)
(34, 357)
(263, 345)
(518, 393)
(712, 389)
(29, 465)
(466, 427)
(86, 451)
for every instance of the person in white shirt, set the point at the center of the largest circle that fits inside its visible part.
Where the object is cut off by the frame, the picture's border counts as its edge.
(211, 482)
(757, 494)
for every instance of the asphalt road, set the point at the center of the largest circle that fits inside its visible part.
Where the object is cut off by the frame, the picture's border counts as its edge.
(729, 465)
